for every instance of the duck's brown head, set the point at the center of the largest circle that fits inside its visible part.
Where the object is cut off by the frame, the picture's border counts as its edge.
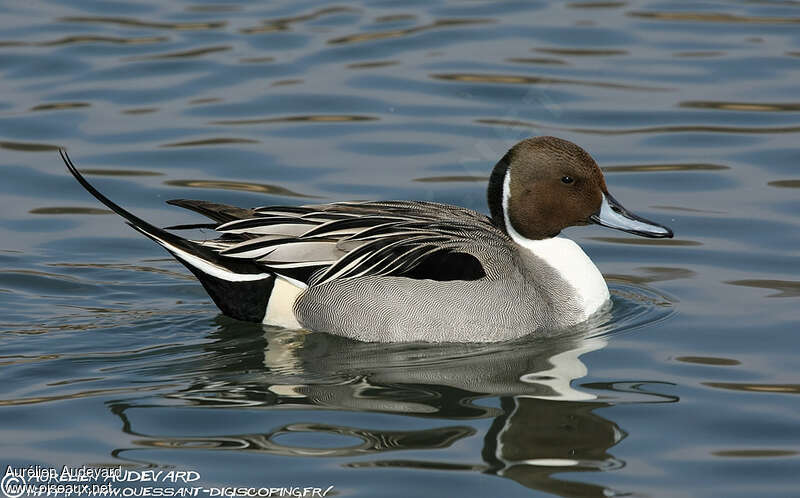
(545, 184)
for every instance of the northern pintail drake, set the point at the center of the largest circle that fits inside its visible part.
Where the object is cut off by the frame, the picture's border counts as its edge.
(413, 271)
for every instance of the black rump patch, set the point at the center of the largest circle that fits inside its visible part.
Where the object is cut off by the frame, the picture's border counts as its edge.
(243, 300)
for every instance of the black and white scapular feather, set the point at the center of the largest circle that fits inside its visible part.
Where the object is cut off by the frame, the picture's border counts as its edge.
(408, 270)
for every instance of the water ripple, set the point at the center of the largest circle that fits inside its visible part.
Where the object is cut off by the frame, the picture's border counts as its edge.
(582, 52)
(185, 54)
(212, 141)
(78, 39)
(83, 394)
(596, 5)
(784, 288)
(647, 168)
(714, 17)
(137, 23)
(785, 183)
(742, 106)
(319, 118)
(399, 33)
(260, 188)
(507, 79)
(58, 106)
(68, 210)
(366, 441)
(756, 388)
(650, 129)
(28, 146)
(284, 23)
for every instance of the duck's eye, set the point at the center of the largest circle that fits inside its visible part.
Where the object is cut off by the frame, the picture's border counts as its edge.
(567, 179)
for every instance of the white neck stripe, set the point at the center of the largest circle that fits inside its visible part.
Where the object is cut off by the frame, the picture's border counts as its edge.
(506, 201)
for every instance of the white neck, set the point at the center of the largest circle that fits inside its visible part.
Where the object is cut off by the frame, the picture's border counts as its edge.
(564, 256)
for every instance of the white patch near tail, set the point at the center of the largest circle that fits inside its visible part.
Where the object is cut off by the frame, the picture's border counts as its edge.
(280, 308)
(203, 265)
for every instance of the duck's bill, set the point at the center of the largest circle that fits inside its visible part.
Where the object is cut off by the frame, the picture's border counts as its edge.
(613, 215)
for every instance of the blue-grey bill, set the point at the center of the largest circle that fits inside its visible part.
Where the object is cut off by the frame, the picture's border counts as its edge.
(613, 215)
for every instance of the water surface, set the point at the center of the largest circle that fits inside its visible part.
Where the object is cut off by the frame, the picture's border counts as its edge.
(111, 354)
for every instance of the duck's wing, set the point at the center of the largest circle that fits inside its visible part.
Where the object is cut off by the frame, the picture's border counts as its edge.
(321, 243)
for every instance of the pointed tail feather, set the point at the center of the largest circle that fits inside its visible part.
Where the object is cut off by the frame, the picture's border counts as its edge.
(240, 288)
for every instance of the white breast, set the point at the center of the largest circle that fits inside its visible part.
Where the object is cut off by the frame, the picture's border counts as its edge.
(574, 266)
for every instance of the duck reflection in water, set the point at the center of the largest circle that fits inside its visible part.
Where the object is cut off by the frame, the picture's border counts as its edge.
(543, 424)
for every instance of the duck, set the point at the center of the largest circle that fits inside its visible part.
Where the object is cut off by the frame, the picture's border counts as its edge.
(401, 271)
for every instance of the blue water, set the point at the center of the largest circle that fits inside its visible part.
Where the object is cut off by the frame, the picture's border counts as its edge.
(111, 353)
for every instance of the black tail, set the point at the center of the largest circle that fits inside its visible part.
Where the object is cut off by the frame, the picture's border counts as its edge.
(240, 288)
